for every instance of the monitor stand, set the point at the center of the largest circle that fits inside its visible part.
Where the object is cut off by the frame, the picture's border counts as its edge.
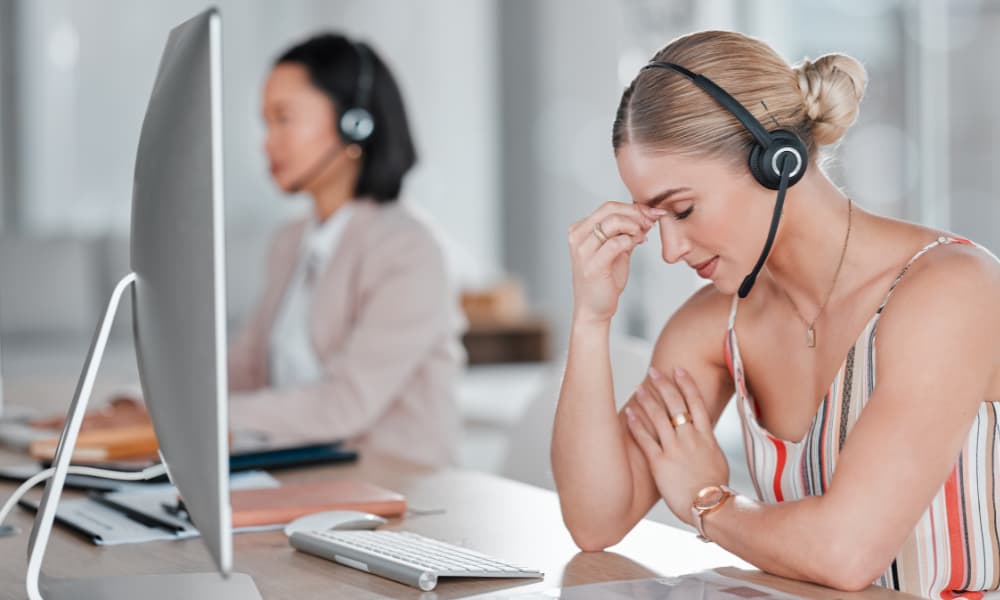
(195, 586)
(190, 586)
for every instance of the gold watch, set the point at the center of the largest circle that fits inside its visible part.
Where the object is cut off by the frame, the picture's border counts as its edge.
(708, 500)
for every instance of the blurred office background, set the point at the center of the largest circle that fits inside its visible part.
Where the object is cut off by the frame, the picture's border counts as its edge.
(512, 103)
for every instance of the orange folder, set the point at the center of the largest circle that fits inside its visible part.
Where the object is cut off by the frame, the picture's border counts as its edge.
(272, 506)
(96, 445)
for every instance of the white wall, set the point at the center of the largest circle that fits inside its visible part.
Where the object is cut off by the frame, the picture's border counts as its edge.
(974, 147)
(511, 102)
(558, 162)
(86, 69)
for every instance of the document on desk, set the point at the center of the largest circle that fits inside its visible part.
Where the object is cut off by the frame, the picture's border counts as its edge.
(108, 526)
(706, 585)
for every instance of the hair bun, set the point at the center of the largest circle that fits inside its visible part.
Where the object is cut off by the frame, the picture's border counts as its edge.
(832, 87)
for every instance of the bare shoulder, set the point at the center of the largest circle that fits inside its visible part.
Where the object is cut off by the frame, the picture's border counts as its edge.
(699, 325)
(950, 293)
(959, 272)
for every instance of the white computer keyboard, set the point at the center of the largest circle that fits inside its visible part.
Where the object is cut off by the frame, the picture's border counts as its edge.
(404, 557)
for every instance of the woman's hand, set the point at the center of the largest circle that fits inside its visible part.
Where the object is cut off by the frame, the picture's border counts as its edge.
(121, 411)
(600, 247)
(671, 426)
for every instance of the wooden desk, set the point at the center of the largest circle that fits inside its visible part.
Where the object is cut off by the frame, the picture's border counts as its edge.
(497, 516)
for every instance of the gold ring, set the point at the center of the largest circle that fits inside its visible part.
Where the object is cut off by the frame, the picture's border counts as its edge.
(599, 233)
(681, 419)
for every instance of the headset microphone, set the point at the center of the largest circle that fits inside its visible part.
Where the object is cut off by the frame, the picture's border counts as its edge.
(779, 203)
(769, 159)
(314, 171)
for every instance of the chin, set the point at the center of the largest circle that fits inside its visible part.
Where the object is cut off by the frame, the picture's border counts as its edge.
(283, 186)
(725, 285)
(725, 288)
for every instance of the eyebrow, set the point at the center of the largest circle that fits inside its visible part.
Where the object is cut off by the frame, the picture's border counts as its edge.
(663, 197)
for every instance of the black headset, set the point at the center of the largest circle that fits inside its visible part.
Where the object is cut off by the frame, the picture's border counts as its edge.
(768, 160)
(356, 122)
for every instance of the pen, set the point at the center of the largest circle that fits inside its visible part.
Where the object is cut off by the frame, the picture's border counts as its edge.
(138, 516)
(177, 510)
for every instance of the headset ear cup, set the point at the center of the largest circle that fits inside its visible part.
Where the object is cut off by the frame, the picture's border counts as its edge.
(765, 162)
(356, 125)
(757, 169)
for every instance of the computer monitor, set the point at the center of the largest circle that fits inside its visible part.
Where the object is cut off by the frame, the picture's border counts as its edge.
(179, 321)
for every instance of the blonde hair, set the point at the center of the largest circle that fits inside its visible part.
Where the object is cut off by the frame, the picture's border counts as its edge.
(664, 111)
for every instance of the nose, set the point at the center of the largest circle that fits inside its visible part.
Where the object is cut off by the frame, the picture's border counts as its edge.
(673, 244)
(271, 139)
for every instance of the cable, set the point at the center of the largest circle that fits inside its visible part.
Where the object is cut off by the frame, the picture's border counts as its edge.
(147, 473)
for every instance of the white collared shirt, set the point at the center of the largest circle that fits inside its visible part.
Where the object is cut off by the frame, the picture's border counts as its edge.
(292, 355)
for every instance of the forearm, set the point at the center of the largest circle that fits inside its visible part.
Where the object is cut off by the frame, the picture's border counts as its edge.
(589, 456)
(318, 412)
(806, 539)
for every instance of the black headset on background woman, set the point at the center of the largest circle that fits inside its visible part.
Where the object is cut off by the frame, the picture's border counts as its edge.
(356, 123)
(768, 158)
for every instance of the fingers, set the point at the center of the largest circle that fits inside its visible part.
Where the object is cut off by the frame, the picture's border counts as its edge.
(614, 227)
(611, 216)
(123, 401)
(670, 396)
(654, 408)
(693, 399)
(643, 438)
(619, 224)
(50, 423)
(638, 412)
(612, 249)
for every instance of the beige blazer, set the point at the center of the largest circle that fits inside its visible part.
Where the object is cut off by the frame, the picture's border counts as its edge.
(386, 326)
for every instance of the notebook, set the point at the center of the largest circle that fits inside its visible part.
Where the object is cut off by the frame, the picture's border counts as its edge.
(284, 504)
(96, 445)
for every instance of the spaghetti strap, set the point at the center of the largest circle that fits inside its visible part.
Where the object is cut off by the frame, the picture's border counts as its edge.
(941, 241)
(732, 311)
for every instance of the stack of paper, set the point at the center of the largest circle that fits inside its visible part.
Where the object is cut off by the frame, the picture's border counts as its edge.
(108, 526)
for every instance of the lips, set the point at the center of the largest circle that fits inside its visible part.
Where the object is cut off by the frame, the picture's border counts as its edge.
(707, 268)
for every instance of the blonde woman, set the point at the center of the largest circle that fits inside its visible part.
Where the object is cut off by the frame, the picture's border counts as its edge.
(863, 360)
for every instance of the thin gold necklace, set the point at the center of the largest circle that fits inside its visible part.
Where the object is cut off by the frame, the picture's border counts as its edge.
(811, 325)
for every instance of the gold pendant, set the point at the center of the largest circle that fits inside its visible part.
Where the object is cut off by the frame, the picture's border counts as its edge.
(811, 337)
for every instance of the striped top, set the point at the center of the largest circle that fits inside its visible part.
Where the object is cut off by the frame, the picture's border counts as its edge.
(955, 545)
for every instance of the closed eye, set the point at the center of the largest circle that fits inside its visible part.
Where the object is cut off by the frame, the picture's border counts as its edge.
(684, 214)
